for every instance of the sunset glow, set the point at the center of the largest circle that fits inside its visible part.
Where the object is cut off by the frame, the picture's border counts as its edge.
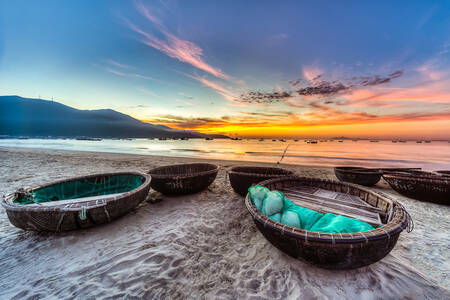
(186, 66)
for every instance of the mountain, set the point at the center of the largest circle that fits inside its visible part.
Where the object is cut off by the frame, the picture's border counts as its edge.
(35, 117)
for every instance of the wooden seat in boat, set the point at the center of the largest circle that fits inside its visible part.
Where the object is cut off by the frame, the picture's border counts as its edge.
(326, 201)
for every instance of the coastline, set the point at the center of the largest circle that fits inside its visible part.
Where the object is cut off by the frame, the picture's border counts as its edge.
(202, 245)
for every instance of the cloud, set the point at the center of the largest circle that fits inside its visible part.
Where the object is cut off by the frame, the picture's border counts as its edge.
(265, 97)
(185, 102)
(324, 88)
(310, 73)
(148, 92)
(318, 88)
(173, 46)
(119, 65)
(128, 75)
(324, 116)
(221, 90)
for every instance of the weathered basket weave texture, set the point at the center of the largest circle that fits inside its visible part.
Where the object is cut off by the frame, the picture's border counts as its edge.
(66, 217)
(423, 186)
(243, 177)
(184, 178)
(443, 172)
(333, 250)
(362, 176)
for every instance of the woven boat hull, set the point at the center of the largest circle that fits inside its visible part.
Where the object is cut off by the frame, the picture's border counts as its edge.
(333, 251)
(434, 189)
(360, 176)
(183, 179)
(341, 256)
(60, 218)
(243, 177)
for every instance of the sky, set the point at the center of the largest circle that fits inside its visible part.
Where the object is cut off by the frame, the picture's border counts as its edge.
(378, 69)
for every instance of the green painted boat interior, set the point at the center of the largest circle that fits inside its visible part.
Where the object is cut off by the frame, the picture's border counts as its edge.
(85, 187)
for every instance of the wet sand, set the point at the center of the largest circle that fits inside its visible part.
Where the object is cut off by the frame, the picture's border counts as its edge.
(199, 246)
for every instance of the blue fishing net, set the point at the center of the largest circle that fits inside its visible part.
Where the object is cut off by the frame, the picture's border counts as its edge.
(86, 187)
(274, 205)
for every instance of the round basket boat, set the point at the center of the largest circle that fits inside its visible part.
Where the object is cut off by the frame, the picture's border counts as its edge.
(243, 177)
(75, 203)
(423, 186)
(334, 250)
(362, 176)
(443, 172)
(184, 178)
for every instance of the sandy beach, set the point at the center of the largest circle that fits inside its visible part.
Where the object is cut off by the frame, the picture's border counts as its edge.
(202, 246)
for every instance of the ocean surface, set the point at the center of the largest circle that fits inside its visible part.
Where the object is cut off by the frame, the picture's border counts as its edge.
(429, 156)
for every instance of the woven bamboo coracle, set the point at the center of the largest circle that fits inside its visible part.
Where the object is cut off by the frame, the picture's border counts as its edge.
(243, 177)
(334, 250)
(73, 214)
(184, 178)
(423, 186)
(357, 175)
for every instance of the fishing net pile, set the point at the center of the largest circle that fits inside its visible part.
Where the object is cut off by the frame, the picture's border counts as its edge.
(277, 207)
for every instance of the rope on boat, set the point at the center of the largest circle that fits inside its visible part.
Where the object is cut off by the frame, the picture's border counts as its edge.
(60, 221)
(82, 213)
(409, 219)
(106, 213)
(387, 233)
(367, 240)
(27, 194)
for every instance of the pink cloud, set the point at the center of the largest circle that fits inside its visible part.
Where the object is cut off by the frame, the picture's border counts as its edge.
(225, 92)
(310, 73)
(173, 46)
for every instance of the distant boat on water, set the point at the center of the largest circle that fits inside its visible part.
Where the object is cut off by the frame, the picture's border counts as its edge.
(427, 142)
(340, 141)
(374, 141)
(402, 141)
(184, 139)
(208, 139)
(276, 140)
(418, 142)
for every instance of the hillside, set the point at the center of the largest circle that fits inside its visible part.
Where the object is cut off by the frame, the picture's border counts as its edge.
(38, 118)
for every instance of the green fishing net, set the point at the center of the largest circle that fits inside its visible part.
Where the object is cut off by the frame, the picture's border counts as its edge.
(87, 187)
(268, 203)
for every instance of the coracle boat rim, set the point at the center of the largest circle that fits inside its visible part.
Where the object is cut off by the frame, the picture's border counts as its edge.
(357, 170)
(418, 177)
(8, 204)
(214, 169)
(283, 172)
(342, 238)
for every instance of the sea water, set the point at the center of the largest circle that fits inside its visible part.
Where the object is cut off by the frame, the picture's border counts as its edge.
(429, 156)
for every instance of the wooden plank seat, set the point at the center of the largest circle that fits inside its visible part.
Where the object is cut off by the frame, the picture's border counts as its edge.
(345, 206)
(338, 199)
(76, 200)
